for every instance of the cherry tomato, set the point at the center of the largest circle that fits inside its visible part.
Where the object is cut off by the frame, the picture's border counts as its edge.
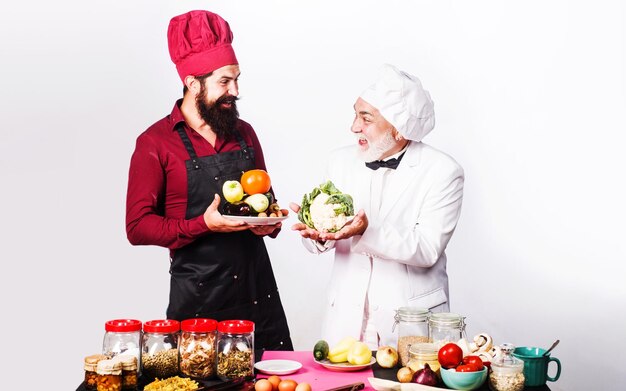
(450, 355)
(255, 181)
(464, 368)
(473, 362)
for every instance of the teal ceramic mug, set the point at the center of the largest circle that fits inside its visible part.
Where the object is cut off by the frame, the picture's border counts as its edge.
(536, 365)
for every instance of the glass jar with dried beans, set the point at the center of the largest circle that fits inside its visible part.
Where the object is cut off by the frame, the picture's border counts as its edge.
(159, 349)
(412, 328)
(109, 375)
(91, 365)
(197, 346)
(235, 349)
(129, 371)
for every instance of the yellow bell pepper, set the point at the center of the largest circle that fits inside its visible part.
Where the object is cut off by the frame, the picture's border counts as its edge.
(339, 352)
(359, 354)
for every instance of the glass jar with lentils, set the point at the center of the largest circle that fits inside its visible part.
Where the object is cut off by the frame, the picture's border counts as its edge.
(159, 349)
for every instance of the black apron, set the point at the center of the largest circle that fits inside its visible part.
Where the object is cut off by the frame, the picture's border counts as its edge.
(225, 276)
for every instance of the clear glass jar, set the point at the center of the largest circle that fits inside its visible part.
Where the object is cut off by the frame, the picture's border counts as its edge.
(130, 371)
(91, 374)
(507, 371)
(197, 347)
(122, 336)
(235, 349)
(109, 375)
(444, 327)
(424, 353)
(412, 328)
(159, 349)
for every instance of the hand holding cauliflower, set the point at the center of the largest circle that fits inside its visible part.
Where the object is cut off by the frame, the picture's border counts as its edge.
(326, 209)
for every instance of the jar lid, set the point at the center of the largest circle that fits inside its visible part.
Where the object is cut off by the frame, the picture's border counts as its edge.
(200, 325)
(424, 349)
(123, 325)
(91, 362)
(161, 326)
(235, 326)
(129, 363)
(446, 318)
(412, 313)
(109, 367)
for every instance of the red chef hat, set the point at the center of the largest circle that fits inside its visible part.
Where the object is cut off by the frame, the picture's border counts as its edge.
(199, 43)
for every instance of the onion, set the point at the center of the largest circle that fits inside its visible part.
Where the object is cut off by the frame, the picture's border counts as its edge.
(387, 357)
(425, 376)
(405, 375)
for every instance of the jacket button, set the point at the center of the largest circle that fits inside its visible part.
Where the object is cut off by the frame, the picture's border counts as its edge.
(200, 284)
(235, 276)
(217, 178)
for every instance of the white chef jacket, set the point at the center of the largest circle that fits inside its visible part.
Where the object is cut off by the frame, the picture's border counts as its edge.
(400, 259)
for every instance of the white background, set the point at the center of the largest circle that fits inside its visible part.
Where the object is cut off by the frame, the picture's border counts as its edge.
(530, 99)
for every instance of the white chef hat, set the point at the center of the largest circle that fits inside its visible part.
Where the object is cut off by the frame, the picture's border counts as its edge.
(403, 102)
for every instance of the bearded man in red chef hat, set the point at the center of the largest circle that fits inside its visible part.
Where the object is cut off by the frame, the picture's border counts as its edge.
(219, 268)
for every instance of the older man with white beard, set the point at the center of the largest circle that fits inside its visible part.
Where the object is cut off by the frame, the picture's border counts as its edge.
(408, 196)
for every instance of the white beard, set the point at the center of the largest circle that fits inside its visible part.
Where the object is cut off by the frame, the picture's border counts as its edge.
(377, 149)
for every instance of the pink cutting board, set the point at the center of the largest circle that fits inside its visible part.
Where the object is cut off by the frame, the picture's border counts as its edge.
(316, 375)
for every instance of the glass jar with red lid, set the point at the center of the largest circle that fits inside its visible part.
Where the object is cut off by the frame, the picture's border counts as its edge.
(197, 348)
(159, 348)
(122, 336)
(235, 349)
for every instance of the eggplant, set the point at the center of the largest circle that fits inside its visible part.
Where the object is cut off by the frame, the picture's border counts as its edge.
(238, 208)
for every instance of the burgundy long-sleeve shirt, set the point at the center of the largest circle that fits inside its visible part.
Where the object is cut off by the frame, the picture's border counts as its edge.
(156, 200)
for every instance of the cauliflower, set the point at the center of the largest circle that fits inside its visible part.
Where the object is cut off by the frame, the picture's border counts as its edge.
(326, 209)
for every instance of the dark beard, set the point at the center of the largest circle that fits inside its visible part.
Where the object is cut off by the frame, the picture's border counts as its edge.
(221, 120)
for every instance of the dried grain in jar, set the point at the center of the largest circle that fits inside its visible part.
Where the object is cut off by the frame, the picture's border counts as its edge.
(197, 348)
(91, 374)
(507, 371)
(412, 328)
(109, 375)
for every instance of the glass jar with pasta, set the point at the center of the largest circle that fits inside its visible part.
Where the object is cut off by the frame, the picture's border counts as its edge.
(197, 346)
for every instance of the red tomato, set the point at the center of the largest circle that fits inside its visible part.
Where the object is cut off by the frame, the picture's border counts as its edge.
(464, 368)
(450, 355)
(473, 362)
(255, 181)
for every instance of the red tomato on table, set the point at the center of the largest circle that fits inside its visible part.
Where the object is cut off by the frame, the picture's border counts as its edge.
(474, 362)
(450, 355)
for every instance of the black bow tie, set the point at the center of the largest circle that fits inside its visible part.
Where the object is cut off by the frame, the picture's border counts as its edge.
(391, 163)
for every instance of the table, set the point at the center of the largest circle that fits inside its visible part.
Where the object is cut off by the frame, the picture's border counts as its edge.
(320, 378)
